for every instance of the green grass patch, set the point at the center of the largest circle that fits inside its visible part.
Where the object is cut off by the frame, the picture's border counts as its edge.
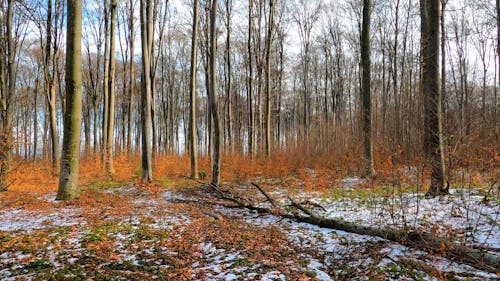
(176, 183)
(39, 264)
(368, 196)
(105, 185)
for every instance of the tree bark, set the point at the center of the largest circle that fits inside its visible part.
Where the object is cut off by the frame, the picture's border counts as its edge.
(496, 113)
(131, 83)
(192, 96)
(268, 77)
(50, 86)
(146, 17)
(432, 98)
(250, 81)
(8, 88)
(105, 110)
(228, 77)
(366, 90)
(213, 93)
(68, 180)
(110, 170)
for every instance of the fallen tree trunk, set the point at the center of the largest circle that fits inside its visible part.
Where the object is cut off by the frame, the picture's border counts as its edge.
(483, 260)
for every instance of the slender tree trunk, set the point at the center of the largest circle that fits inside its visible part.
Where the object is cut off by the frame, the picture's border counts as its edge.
(395, 74)
(86, 127)
(430, 91)
(110, 170)
(192, 96)
(54, 136)
(131, 83)
(68, 180)
(366, 90)
(229, 75)
(50, 87)
(96, 121)
(146, 17)
(35, 120)
(105, 110)
(250, 81)
(268, 77)
(213, 94)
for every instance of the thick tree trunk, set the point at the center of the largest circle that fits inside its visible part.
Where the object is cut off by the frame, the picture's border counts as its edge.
(8, 88)
(192, 96)
(366, 90)
(431, 94)
(68, 180)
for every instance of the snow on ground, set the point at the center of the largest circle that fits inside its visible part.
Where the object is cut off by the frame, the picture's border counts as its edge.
(355, 251)
(326, 254)
(26, 220)
(464, 215)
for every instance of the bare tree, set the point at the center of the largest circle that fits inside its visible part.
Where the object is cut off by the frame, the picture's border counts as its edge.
(68, 180)
(366, 90)
(109, 141)
(192, 96)
(429, 14)
(250, 81)
(50, 67)
(146, 33)
(212, 94)
(268, 76)
(306, 15)
(8, 91)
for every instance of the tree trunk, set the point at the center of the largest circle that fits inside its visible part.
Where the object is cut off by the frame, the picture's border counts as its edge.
(192, 96)
(250, 81)
(496, 113)
(108, 161)
(366, 90)
(213, 94)
(131, 83)
(432, 98)
(105, 110)
(8, 88)
(50, 87)
(146, 17)
(54, 136)
(268, 77)
(68, 180)
(228, 77)
(35, 120)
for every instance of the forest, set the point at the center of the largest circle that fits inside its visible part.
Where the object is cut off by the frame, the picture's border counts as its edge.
(249, 140)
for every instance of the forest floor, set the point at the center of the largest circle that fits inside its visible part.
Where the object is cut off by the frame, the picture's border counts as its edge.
(179, 230)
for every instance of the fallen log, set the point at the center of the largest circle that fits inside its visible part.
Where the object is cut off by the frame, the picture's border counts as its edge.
(484, 260)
